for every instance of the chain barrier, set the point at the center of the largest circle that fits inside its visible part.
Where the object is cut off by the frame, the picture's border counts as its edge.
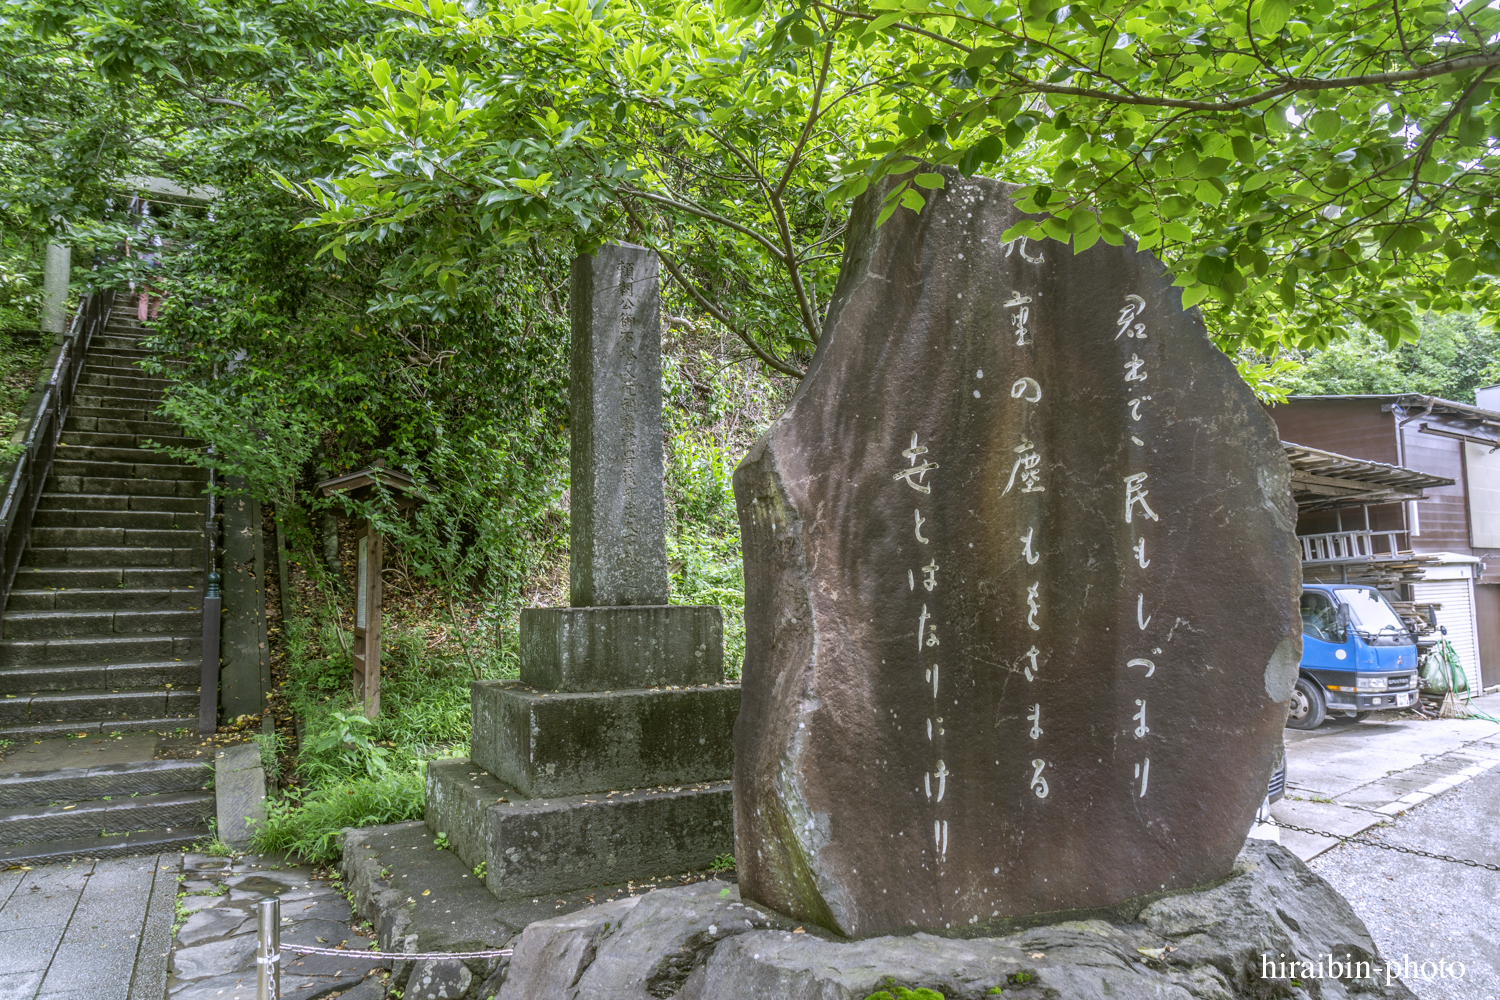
(1387, 847)
(269, 951)
(397, 956)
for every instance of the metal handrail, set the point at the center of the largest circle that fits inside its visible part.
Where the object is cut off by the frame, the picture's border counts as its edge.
(45, 413)
(208, 681)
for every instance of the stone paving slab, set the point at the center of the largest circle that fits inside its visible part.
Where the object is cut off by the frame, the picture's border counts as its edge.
(93, 930)
(213, 956)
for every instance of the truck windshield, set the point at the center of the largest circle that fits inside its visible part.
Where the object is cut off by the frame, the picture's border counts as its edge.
(1369, 613)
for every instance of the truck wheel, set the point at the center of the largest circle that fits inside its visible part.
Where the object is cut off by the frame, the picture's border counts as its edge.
(1307, 709)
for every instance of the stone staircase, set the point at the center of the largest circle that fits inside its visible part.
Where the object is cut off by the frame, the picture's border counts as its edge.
(101, 633)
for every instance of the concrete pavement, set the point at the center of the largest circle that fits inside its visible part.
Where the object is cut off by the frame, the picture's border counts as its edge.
(1432, 913)
(1348, 778)
(88, 931)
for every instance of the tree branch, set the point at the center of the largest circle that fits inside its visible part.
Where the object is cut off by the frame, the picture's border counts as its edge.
(704, 213)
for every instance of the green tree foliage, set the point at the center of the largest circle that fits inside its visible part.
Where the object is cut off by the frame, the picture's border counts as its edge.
(1294, 168)
(275, 355)
(1453, 356)
(1298, 165)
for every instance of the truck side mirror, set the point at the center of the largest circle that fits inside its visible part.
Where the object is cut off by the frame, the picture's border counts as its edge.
(1343, 623)
(1432, 619)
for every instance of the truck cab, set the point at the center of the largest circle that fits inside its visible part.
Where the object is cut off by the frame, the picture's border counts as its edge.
(1358, 656)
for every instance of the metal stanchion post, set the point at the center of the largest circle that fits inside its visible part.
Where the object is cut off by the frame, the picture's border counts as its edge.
(268, 949)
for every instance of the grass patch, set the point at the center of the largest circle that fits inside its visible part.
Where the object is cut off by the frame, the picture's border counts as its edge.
(306, 825)
(352, 771)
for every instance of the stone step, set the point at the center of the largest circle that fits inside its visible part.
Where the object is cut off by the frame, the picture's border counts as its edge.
(532, 847)
(118, 378)
(112, 598)
(118, 420)
(129, 355)
(100, 577)
(105, 705)
(130, 520)
(98, 649)
(95, 439)
(65, 466)
(101, 555)
(125, 487)
(182, 674)
(87, 393)
(115, 341)
(175, 538)
(127, 455)
(118, 845)
(179, 724)
(164, 811)
(117, 781)
(77, 623)
(57, 500)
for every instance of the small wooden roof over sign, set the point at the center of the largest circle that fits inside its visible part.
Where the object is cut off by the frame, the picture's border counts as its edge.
(359, 485)
(1322, 480)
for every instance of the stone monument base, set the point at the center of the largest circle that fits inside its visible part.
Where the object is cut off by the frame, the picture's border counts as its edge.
(549, 743)
(538, 846)
(1231, 941)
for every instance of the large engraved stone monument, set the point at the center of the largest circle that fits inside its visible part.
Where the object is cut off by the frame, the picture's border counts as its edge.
(608, 759)
(1021, 588)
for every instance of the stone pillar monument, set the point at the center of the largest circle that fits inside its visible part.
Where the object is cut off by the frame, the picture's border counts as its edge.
(55, 288)
(607, 760)
(1021, 588)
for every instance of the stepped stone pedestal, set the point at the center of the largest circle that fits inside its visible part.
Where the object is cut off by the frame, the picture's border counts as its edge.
(607, 760)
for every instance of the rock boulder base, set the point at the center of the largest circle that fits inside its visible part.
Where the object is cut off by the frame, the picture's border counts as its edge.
(702, 943)
(1021, 583)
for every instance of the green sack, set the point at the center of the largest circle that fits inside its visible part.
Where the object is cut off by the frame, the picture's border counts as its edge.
(1441, 672)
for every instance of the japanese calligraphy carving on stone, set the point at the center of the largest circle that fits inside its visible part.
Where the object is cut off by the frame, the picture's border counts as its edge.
(1020, 588)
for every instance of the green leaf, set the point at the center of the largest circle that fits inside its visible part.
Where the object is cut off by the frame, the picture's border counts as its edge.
(802, 34)
(929, 181)
(1244, 149)
(1083, 241)
(910, 199)
(1461, 270)
(1194, 294)
(1326, 124)
(1274, 14)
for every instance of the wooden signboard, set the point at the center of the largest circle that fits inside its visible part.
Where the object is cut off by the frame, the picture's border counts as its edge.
(367, 605)
(367, 587)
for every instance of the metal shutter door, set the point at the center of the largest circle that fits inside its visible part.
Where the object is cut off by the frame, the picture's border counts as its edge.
(1457, 613)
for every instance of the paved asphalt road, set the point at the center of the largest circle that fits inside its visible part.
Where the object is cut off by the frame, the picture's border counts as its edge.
(1432, 911)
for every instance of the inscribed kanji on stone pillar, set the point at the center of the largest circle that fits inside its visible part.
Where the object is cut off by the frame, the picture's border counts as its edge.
(1021, 584)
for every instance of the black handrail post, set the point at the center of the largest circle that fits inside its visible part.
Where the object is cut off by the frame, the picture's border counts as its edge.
(208, 683)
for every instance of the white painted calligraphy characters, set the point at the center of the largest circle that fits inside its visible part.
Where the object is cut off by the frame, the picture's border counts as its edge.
(1137, 502)
(1022, 315)
(915, 473)
(1039, 783)
(1133, 307)
(1026, 466)
(1035, 718)
(935, 780)
(1143, 775)
(1031, 668)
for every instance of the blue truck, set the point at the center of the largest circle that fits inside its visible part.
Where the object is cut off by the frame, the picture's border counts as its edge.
(1358, 656)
